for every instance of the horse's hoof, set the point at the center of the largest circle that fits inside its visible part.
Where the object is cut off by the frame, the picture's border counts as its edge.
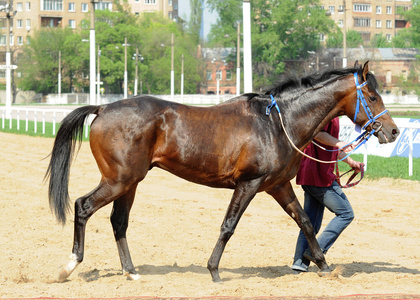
(324, 273)
(132, 276)
(63, 274)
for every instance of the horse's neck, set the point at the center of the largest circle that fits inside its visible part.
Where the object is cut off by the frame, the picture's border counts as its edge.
(310, 113)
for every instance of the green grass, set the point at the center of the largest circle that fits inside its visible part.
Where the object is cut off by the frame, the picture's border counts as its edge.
(378, 167)
(393, 167)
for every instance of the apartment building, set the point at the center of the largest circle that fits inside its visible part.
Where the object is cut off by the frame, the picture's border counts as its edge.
(369, 17)
(28, 15)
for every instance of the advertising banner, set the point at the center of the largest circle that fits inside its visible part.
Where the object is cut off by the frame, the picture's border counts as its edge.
(398, 148)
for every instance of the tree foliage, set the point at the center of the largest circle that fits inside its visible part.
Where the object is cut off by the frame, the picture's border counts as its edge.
(410, 36)
(281, 30)
(150, 34)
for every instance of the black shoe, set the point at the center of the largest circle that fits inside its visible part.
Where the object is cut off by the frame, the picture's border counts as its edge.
(308, 255)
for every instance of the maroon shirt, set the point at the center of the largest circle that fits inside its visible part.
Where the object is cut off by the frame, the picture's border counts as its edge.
(315, 173)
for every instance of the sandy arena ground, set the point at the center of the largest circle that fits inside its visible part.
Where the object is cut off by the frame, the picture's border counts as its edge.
(173, 228)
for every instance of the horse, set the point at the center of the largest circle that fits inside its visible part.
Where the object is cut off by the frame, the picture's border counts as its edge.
(233, 145)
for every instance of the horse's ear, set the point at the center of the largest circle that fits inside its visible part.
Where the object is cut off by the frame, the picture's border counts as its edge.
(365, 70)
(357, 65)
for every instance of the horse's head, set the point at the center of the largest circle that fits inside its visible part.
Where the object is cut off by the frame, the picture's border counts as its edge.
(368, 110)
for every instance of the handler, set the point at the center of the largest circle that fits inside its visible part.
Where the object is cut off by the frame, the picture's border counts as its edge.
(322, 190)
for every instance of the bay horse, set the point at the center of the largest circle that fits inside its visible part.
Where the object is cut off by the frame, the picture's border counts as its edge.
(232, 145)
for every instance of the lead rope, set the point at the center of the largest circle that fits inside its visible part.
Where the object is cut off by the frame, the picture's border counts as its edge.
(267, 112)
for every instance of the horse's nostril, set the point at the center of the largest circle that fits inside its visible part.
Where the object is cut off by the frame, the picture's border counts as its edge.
(395, 132)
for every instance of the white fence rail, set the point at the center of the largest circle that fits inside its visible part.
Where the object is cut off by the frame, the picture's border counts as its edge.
(55, 116)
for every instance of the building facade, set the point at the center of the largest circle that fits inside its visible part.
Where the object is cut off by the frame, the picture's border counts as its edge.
(369, 17)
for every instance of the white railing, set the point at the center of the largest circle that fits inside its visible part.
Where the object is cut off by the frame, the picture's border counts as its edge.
(45, 115)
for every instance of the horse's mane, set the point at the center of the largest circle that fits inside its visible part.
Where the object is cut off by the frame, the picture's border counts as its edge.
(290, 82)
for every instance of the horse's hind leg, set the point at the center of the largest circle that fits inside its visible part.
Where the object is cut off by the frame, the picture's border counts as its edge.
(286, 197)
(119, 219)
(84, 208)
(242, 196)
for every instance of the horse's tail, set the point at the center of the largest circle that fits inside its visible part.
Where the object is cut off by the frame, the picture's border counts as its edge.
(71, 131)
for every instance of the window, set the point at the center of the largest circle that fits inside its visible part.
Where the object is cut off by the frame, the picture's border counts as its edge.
(170, 2)
(28, 6)
(19, 6)
(218, 74)
(53, 5)
(388, 37)
(322, 37)
(28, 24)
(341, 9)
(103, 6)
(379, 10)
(340, 23)
(388, 24)
(378, 24)
(389, 10)
(228, 74)
(388, 76)
(72, 23)
(331, 9)
(85, 7)
(149, 1)
(208, 75)
(362, 8)
(19, 23)
(361, 22)
(72, 7)
(404, 75)
(20, 40)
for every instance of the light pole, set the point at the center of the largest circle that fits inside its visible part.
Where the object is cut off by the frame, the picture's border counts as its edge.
(238, 62)
(92, 56)
(98, 82)
(135, 79)
(8, 9)
(172, 68)
(182, 78)
(59, 75)
(344, 35)
(125, 68)
(247, 46)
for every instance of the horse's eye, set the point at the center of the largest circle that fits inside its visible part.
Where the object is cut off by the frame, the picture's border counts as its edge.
(372, 98)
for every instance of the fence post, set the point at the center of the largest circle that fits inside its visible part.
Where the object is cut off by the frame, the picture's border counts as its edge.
(35, 121)
(410, 151)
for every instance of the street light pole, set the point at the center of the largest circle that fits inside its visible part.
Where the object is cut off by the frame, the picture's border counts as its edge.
(344, 35)
(238, 62)
(59, 75)
(172, 69)
(182, 78)
(136, 76)
(92, 56)
(247, 46)
(98, 100)
(125, 69)
(8, 70)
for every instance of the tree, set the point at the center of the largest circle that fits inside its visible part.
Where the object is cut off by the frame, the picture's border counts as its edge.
(38, 61)
(281, 30)
(194, 24)
(151, 34)
(410, 36)
(380, 41)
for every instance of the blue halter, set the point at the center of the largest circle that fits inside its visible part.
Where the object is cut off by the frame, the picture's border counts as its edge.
(361, 100)
(364, 137)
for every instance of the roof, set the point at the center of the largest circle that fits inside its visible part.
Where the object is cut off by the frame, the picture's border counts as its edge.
(362, 53)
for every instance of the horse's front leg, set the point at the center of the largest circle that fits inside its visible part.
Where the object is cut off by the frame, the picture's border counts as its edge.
(119, 220)
(286, 197)
(242, 196)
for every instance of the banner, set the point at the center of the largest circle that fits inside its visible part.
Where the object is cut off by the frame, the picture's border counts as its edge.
(400, 147)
